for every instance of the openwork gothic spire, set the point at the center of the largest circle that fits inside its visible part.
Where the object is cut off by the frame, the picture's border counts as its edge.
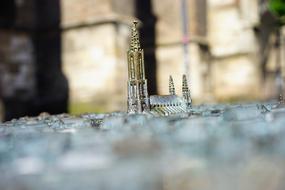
(171, 86)
(135, 41)
(186, 92)
(138, 99)
(184, 84)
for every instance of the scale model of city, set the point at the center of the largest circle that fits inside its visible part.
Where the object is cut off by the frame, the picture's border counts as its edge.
(138, 99)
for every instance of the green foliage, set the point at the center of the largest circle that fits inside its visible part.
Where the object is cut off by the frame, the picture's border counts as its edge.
(277, 7)
(80, 107)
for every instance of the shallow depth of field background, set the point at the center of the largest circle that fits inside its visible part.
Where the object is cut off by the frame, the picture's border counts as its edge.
(70, 55)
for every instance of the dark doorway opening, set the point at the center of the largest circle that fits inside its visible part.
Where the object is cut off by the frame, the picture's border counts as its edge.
(147, 33)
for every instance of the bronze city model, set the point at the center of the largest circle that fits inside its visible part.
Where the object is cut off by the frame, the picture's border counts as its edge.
(138, 99)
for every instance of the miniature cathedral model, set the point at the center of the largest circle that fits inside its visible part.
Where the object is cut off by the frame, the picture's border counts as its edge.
(138, 99)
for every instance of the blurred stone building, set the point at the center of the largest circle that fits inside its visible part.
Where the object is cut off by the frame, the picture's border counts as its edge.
(31, 79)
(226, 39)
(96, 38)
(234, 49)
(231, 48)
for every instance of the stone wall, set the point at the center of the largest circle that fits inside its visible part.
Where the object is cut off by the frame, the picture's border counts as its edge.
(95, 65)
(31, 80)
(17, 70)
(234, 49)
(78, 13)
(95, 40)
(17, 73)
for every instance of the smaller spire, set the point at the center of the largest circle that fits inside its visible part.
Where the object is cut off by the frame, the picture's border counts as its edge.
(281, 99)
(184, 84)
(171, 86)
(185, 91)
(135, 40)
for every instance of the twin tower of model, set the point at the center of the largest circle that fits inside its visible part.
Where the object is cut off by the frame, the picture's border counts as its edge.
(138, 99)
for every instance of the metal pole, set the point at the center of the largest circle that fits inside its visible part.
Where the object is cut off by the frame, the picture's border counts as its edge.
(282, 58)
(279, 78)
(185, 38)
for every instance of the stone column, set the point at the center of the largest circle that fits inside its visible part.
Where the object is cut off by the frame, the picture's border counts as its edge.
(30, 66)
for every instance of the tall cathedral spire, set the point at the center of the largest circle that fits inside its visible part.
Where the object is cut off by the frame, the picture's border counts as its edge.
(135, 39)
(138, 99)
